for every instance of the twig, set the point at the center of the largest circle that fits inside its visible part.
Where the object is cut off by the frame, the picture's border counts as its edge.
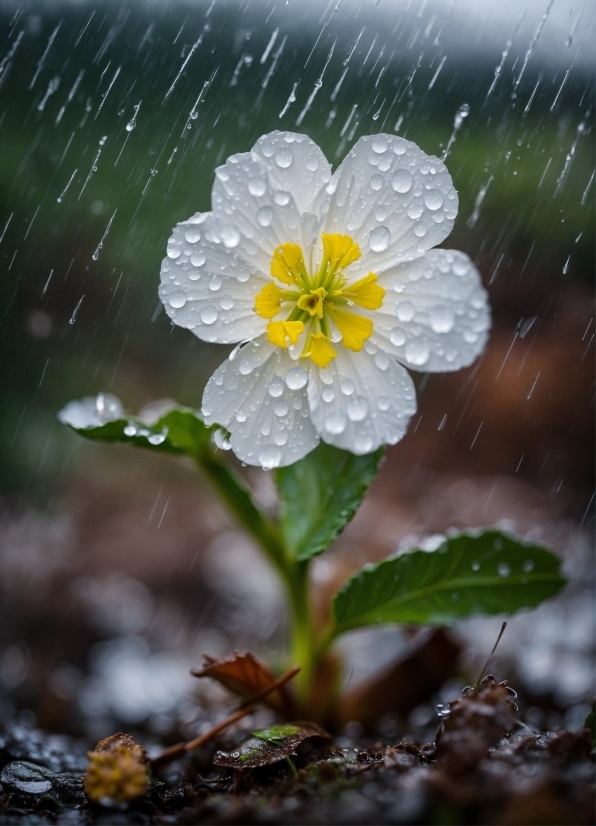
(247, 707)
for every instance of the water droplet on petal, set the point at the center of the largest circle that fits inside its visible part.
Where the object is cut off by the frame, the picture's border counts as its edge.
(230, 236)
(434, 199)
(379, 239)
(276, 387)
(269, 457)
(405, 311)
(192, 235)
(208, 314)
(397, 336)
(335, 423)
(402, 181)
(284, 157)
(265, 216)
(177, 300)
(347, 387)
(417, 352)
(257, 187)
(296, 378)
(441, 319)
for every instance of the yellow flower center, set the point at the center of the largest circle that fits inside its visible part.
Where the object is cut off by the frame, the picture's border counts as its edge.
(319, 302)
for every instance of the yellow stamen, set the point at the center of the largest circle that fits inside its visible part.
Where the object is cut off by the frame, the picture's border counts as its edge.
(339, 251)
(365, 292)
(268, 301)
(287, 265)
(313, 301)
(279, 332)
(319, 350)
(355, 329)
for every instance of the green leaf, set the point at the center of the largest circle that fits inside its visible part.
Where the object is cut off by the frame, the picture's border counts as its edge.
(180, 430)
(486, 572)
(275, 734)
(320, 494)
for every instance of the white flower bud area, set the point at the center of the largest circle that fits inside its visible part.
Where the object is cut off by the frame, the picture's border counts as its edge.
(329, 285)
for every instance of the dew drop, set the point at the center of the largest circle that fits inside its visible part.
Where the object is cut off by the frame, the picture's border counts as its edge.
(197, 259)
(192, 235)
(276, 387)
(379, 239)
(397, 336)
(328, 393)
(503, 569)
(528, 566)
(417, 352)
(280, 408)
(296, 378)
(376, 182)
(208, 314)
(364, 443)
(269, 457)
(282, 198)
(402, 181)
(441, 319)
(284, 158)
(257, 187)
(265, 216)
(414, 211)
(230, 236)
(347, 387)
(405, 311)
(433, 200)
(379, 145)
(177, 300)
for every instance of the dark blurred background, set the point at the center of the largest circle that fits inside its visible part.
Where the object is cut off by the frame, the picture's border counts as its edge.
(118, 568)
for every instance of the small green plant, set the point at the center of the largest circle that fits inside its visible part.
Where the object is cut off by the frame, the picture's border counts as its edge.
(330, 286)
(476, 572)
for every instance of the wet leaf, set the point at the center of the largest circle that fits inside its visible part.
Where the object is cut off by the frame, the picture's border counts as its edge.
(486, 572)
(320, 494)
(271, 745)
(180, 430)
(245, 675)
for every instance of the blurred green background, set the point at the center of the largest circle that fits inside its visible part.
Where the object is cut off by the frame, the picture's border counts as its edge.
(72, 76)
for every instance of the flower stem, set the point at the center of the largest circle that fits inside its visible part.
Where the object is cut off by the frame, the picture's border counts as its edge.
(297, 582)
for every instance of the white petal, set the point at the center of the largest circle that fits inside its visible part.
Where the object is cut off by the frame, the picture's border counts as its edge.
(392, 198)
(296, 165)
(435, 315)
(360, 401)
(269, 422)
(206, 287)
(253, 214)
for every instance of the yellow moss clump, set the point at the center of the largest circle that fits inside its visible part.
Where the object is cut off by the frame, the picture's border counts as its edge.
(117, 772)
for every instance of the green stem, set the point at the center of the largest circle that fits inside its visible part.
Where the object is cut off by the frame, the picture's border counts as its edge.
(297, 583)
(294, 574)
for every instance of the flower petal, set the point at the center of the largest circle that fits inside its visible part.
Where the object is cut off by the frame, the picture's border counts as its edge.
(435, 315)
(254, 216)
(360, 401)
(296, 165)
(206, 287)
(394, 200)
(263, 404)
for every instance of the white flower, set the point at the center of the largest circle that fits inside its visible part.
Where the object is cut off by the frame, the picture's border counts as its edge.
(331, 282)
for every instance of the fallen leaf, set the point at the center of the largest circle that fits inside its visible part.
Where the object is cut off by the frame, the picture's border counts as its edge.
(245, 675)
(271, 745)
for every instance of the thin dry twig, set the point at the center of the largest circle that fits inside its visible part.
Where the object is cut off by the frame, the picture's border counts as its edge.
(247, 707)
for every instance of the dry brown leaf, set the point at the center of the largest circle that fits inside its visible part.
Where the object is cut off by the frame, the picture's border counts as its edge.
(245, 675)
